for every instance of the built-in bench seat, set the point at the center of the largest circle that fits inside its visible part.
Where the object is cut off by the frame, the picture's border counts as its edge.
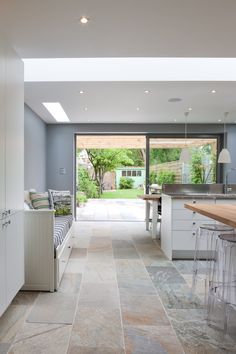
(48, 245)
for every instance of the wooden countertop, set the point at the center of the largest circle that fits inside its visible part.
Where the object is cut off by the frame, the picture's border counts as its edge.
(150, 196)
(225, 213)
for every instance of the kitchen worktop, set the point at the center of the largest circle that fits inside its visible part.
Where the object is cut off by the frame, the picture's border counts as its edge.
(201, 195)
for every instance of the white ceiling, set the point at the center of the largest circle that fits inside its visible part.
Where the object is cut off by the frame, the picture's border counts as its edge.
(120, 28)
(117, 102)
(125, 28)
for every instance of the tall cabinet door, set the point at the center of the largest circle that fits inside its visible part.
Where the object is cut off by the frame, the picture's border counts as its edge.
(2, 179)
(2, 268)
(14, 255)
(14, 132)
(2, 128)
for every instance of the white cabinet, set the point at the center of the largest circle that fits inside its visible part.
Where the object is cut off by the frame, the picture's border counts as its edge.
(2, 269)
(14, 255)
(179, 226)
(14, 132)
(11, 174)
(2, 128)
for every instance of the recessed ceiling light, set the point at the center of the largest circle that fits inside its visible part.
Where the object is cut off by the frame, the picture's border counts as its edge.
(174, 99)
(147, 91)
(219, 120)
(84, 20)
(56, 110)
(131, 120)
(213, 91)
(89, 120)
(175, 120)
(190, 109)
(138, 108)
(85, 108)
(81, 92)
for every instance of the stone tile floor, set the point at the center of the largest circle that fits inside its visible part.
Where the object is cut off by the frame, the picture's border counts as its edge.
(122, 296)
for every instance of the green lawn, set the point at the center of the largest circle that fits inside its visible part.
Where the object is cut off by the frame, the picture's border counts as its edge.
(122, 193)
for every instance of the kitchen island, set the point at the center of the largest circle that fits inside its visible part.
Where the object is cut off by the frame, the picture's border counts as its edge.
(179, 224)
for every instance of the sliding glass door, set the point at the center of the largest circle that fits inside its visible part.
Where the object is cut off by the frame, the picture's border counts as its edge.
(164, 165)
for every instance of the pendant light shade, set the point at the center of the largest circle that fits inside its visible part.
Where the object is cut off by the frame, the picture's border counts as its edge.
(185, 155)
(224, 156)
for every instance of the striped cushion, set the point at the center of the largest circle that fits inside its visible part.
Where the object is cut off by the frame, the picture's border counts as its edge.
(39, 200)
(61, 228)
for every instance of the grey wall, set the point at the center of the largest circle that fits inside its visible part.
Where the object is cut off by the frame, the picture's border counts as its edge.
(231, 144)
(60, 144)
(35, 151)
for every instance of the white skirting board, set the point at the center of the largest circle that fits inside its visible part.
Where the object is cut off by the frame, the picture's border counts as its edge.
(42, 270)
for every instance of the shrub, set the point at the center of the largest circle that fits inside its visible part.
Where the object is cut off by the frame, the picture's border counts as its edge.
(80, 198)
(86, 184)
(126, 183)
(153, 177)
(165, 177)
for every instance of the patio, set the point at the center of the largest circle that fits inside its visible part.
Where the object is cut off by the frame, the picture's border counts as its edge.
(112, 210)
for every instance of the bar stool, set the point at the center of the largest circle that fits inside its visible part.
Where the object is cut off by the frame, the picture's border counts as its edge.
(221, 308)
(206, 237)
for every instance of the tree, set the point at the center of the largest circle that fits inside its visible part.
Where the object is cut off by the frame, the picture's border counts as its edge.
(105, 160)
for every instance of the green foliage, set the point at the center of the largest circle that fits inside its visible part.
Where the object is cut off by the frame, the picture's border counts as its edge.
(153, 177)
(63, 210)
(137, 156)
(81, 198)
(166, 177)
(163, 177)
(199, 172)
(159, 155)
(105, 160)
(86, 184)
(126, 183)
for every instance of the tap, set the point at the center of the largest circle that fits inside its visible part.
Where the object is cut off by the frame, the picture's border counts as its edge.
(226, 188)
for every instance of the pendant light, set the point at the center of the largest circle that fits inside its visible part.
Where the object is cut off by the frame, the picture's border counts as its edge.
(224, 156)
(185, 155)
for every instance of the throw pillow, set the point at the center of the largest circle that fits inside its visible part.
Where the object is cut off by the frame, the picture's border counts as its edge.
(39, 200)
(61, 201)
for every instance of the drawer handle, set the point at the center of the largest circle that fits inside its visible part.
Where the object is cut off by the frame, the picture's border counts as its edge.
(194, 212)
(194, 233)
(69, 247)
(194, 202)
(6, 224)
(194, 223)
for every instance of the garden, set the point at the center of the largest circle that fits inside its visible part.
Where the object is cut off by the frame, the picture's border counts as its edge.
(163, 169)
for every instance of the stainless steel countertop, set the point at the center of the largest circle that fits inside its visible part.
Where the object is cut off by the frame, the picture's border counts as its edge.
(200, 196)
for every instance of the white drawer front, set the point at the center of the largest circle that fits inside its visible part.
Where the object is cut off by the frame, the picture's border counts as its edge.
(189, 225)
(179, 203)
(187, 214)
(185, 240)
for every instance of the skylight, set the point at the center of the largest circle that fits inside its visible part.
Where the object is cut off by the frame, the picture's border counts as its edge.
(130, 69)
(56, 110)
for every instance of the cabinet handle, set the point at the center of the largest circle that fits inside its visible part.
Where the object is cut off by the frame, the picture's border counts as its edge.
(6, 224)
(9, 211)
(194, 233)
(194, 223)
(194, 201)
(194, 212)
